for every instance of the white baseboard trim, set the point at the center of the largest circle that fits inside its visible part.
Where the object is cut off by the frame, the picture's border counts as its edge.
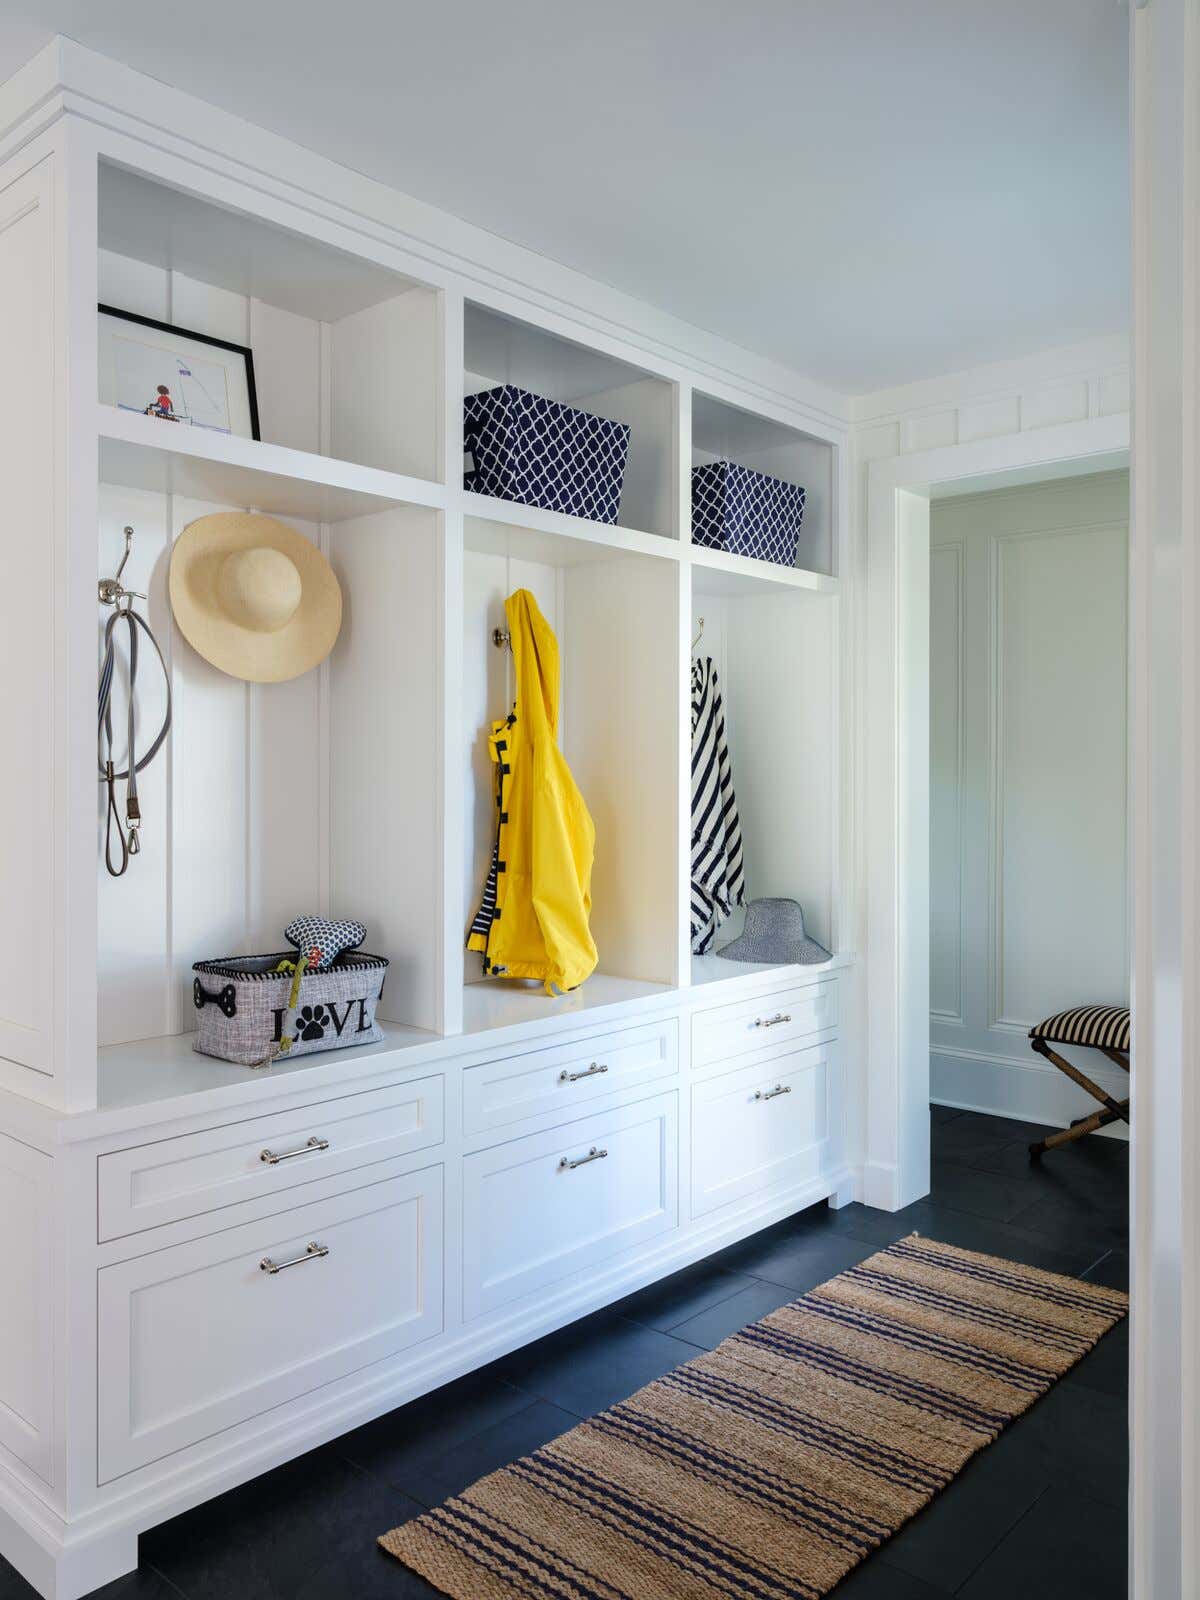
(879, 1186)
(1028, 1091)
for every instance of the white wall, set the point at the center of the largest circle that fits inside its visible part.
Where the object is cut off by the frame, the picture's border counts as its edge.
(1028, 816)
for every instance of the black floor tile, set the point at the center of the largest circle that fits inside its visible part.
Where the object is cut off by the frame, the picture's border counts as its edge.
(1069, 1254)
(449, 1472)
(1075, 1436)
(1094, 1167)
(1106, 1368)
(1067, 1547)
(399, 1446)
(306, 1531)
(684, 1294)
(875, 1580)
(943, 1113)
(1112, 1270)
(981, 1194)
(727, 1316)
(801, 1260)
(1059, 1219)
(971, 1139)
(594, 1363)
(946, 1542)
(880, 1228)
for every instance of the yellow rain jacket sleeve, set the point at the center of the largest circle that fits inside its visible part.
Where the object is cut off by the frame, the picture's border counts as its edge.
(545, 838)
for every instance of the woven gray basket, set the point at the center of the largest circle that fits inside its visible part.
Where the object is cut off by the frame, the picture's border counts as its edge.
(242, 1004)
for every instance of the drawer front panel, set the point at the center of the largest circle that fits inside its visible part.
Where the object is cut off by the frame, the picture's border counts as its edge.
(150, 1184)
(760, 1127)
(729, 1031)
(551, 1083)
(532, 1218)
(201, 1337)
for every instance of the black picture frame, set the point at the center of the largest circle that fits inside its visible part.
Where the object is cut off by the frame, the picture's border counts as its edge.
(242, 350)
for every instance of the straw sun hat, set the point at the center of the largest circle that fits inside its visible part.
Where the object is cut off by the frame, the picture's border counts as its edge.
(253, 596)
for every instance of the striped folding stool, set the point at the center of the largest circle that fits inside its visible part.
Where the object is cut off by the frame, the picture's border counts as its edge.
(1103, 1028)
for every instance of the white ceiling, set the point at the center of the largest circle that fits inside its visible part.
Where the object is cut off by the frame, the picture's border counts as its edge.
(870, 191)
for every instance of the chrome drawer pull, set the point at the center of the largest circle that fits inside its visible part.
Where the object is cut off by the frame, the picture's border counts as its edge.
(314, 1144)
(567, 1165)
(771, 1022)
(311, 1252)
(574, 1077)
(769, 1094)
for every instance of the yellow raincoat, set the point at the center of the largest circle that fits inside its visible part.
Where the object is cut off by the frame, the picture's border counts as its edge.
(533, 921)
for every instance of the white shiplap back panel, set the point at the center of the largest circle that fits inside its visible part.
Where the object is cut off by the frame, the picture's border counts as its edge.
(133, 958)
(383, 743)
(219, 313)
(287, 376)
(647, 490)
(781, 653)
(285, 771)
(127, 284)
(384, 366)
(209, 791)
(231, 846)
(620, 646)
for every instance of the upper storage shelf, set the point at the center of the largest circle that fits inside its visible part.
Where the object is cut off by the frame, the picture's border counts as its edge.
(346, 353)
(501, 350)
(723, 432)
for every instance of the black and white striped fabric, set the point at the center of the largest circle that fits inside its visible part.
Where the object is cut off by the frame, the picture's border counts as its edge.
(1101, 1027)
(718, 872)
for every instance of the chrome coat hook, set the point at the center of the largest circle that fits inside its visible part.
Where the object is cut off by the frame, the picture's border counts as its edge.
(111, 590)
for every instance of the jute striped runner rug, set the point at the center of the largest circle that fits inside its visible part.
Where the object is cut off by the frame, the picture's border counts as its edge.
(769, 1467)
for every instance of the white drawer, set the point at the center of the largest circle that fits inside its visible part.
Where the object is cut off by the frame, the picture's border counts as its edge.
(150, 1184)
(554, 1082)
(760, 1127)
(548, 1206)
(728, 1031)
(201, 1337)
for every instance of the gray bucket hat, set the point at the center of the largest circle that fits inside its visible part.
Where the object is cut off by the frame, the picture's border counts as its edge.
(774, 932)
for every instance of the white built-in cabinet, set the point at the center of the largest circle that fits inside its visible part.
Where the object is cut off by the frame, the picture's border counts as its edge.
(212, 1269)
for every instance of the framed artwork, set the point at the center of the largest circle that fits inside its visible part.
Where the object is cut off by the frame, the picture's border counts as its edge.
(184, 379)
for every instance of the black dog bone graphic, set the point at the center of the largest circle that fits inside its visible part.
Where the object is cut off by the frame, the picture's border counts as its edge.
(226, 1001)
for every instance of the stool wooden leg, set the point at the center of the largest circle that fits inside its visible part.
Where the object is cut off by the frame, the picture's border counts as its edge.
(1080, 1129)
(1114, 1110)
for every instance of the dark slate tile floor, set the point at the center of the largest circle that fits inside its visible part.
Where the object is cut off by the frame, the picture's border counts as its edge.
(1040, 1513)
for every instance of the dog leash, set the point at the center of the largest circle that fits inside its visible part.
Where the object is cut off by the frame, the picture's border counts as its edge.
(109, 776)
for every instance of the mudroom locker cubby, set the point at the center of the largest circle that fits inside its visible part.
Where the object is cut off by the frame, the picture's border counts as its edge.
(146, 1361)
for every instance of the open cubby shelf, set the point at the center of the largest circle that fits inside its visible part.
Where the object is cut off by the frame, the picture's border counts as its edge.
(501, 349)
(347, 353)
(334, 792)
(725, 432)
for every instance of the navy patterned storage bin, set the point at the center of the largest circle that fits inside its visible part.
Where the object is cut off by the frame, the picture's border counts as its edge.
(523, 447)
(746, 512)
